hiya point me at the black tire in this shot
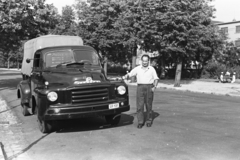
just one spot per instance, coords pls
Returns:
(33, 107)
(25, 111)
(113, 119)
(44, 125)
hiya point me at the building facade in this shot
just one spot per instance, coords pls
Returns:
(232, 30)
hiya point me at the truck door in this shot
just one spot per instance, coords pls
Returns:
(36, 75)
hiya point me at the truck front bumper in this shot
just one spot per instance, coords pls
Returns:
(68, 111)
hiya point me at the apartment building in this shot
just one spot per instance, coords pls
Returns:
(232, 30)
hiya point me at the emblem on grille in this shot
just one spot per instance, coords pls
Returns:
(88, 79)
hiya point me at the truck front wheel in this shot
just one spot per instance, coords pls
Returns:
(43, 125)
(113, 119)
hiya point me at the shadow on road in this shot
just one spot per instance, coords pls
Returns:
(96, 123)
(91, 124)
(155, 115)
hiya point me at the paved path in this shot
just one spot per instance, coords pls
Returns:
(11, 138)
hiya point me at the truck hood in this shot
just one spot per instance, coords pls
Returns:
(66, 77)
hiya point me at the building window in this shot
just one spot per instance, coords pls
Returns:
(224, 30)
(237, 29)
(237, 43)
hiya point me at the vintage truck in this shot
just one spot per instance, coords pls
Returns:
(64, 79)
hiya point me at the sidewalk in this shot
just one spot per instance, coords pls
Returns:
(208, 86)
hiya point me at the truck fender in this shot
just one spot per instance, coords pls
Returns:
(24, 91)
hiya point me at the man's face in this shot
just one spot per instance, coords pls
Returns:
(145, 61)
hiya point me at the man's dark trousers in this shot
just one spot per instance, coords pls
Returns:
(144, 96)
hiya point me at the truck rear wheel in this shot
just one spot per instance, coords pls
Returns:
(113, 119)
(25, 111)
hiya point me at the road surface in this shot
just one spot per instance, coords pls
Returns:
(187, 126)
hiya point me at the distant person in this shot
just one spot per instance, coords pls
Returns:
(227, 73)
(227, 77)
(147, 81)
(221, 77)
(233, 77)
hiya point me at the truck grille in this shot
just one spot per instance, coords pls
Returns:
(89, 95)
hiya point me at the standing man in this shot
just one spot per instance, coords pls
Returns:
(147, 81)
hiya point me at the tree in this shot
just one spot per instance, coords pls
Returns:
(97, 27)
(187, 31)
(129, 26)
(21, 20)
(66, 22)
(180, 30)
(230, 56)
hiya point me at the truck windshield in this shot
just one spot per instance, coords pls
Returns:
(54, 58)
(88, 56)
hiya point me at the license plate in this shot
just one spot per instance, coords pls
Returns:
(114, 105)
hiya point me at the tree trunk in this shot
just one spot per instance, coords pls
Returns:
(8, 60)
(133, 61)
(105, 65)
(134, 55)
(163, 68)
(17, 64)
(178, 74)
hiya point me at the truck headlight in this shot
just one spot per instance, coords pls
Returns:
(121, 90)
(52, 96)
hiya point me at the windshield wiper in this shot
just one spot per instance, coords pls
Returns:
(85, 62)
(64, 63)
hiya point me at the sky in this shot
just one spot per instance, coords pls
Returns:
(60, 3)
(226, 10)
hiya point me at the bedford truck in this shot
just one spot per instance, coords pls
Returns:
(64, 79)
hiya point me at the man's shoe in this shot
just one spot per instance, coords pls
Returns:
(140, 126)
(149, 124)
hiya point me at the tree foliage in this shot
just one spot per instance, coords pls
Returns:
(180, 30)
(21, 20)
(230, 56)
(66, 24)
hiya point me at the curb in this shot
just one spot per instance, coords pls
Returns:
(3, 155)
(188, 90)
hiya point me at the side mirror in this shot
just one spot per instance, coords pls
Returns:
(28, 60)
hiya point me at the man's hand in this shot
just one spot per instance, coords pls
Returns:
(125, 77)
(153, 89)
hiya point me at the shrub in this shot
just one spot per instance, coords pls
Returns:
(213, 70)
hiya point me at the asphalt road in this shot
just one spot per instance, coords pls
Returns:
(187, 126)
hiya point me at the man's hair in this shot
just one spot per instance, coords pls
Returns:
(145, 55)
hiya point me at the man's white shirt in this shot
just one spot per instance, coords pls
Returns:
(145, 75)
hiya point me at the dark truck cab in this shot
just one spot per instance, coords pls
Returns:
(68, 82)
